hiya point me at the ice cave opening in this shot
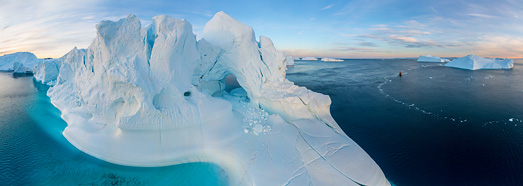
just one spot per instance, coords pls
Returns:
(231, 83)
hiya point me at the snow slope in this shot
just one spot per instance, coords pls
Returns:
(472, 62)
(20, 62)
(154, 96)
(429, 58)
(326, 59)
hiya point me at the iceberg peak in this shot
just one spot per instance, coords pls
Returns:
(154, 96)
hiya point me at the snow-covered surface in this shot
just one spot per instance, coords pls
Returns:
(290, 61)
(326, 59)
(20, 62)
(155, 96)
(472, 62)
(309, 59)
(432, 59)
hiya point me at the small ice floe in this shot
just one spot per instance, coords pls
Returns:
(511, 119)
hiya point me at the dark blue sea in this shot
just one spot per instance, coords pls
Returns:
(432, 126)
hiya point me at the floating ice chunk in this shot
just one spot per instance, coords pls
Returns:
(429, 58)
(20, 62)
(47, 71)
(326, 59)
(472, 62)
(309, 58)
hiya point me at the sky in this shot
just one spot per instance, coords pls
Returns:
(320, 28)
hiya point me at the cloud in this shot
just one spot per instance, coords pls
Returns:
(368, 44)
(499, 46)
(46, 28)
(354, 49)
(482, 16)
(327, 7)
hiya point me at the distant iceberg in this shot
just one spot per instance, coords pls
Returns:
(20, 62)
(431, 59)
(472, 62)
(296, 58)
(326, 59)
(290, 61)
(309, 59)
(155, 96)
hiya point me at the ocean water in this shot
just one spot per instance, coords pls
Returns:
(432, 126)
(34, 152)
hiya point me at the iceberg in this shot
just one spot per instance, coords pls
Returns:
(290, 61)
(472, 62)
(47, 71)
(296, 58)
(431, 59)
(155, 96)
(309, 59)
(326, 59)
(20, 62)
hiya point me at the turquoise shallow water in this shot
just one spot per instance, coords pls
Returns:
(34, 152)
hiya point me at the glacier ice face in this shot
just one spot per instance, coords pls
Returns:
(20, 62)
(326, 59)
(432, 59)
(472, 62)
(154, 96)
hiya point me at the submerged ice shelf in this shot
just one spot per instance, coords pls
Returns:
(155, 96)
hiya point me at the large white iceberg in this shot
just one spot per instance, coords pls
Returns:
(309, 59)
(431, 59)
(155, 96)
(472, 62)
(20, 62)
(326, 59)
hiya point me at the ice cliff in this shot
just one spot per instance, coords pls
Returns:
(20, 62)
(429, 58)
(155, 96)
(472, 62)
(326, 59)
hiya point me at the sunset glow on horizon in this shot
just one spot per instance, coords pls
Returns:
(341, 29)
